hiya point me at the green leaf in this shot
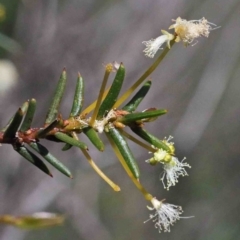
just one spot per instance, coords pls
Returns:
(53, 110)
(29, 116)
(13, 126)
(65, 138)
(32, 158)
(150, 138)
(43, 132)
(68, 146)
(94, 138)
(113, 93)
(24, 108)
(78, 97)
(51, 159)
(125, 151)
(132, 105)
(133, 117)
(53, 138)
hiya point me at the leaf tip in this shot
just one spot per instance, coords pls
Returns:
(117, 189)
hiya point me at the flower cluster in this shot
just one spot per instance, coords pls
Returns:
(185, 31)
(173, 168)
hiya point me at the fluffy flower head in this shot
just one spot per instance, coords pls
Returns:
(161, 155)
(153, 45)
(172, 167)
(185, 31)
(158, 156)
(172, 170)
(189, 31)
(165, 214)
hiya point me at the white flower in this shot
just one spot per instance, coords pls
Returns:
(165, 216)
(189, 31)
(172, 170)
(153, 45)
(172, 167)
(185, 31)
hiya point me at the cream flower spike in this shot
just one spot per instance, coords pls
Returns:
(165, 215)
(153, 45)
(189, 31)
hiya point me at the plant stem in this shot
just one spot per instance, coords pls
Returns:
(148, 147)
(143, 77)
(93, 105)
(101, 92)
(100, 173)
(147, 195)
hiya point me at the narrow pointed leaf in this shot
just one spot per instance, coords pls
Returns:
(151, 119)
(32, 158)
(125, 151)
(14, 125)
(51, 159)
(29, 116)
(78, 97)
(52, 138)
(144, 76)
(68, 146)
(53, 110)
(133, 117)
(94, 138)
(6, 127)
(132, 105)
(113, 93)
(150, 138)
(65, 138)
(24, 108)
(43, 132)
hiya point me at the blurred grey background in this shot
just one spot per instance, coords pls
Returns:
(198, 85)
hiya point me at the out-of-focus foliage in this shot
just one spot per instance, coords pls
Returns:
(8, 15)
(199, 86)
(34, 221)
